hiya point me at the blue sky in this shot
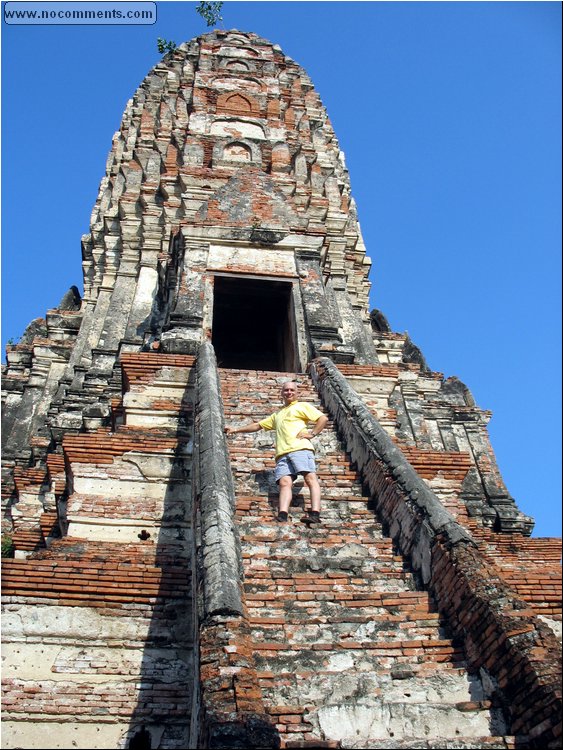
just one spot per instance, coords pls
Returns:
(450, 118)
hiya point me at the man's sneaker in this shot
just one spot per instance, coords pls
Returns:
(312, 517)
(282, 516)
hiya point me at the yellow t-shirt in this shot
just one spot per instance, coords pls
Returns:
(288, 423)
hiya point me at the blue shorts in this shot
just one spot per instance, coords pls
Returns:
(294, 463)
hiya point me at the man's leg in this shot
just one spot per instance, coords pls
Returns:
(285, 484)
(312, 482)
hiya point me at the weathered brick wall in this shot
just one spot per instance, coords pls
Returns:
(98, 634)
(95, 644)
(501, 633)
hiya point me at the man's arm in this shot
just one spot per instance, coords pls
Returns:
(253, 427)
(320, 424)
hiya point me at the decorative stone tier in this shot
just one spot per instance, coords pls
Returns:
(88, 581)
(98, 637)
(438, 427)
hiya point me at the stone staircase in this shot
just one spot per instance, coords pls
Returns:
(349, 651)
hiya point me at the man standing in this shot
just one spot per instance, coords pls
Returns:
(294, 450)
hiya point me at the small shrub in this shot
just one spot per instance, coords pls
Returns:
(7, 545)
(210, 12)
(164, 45)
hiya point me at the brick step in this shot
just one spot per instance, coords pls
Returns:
(377, 632)
(58, 576)
(241, 448)
(532, 566)
(384, 370)
(337, 477)
(56, 468)
(329, 477)
(350, 619)
(135, 585)
(332, 571)
(64, 567)
(49, 522)
(104, 443)
(349, 513)
(174, 406)
(336, 609)
(308, 665)
(25, 478)
(351, 519)
(144, 366)
(141, 508)
(397, 646)
(363, 710)
(28, 540)
(336, 531)
(105, 453)
(256, 394)
(361, 585)
(260, 547)
(373, 618)
(455, 743)
(338, 501)
(340, 591)
(265, 382)
(330, 539)
(240, 409)
(395, 723)
(266, 396)
(394, 674)
(374, 584)
(169, 556)
(64, 700)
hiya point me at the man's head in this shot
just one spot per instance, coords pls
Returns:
(289, 392)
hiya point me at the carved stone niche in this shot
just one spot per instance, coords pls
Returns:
(281, 158)
(236, 153)
(237, 103)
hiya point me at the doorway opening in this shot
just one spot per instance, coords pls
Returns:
(253, 324)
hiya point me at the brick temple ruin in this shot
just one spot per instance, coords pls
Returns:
(152, 600)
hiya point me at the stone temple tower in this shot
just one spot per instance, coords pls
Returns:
(151, 600)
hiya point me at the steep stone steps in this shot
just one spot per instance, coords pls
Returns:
(348, 652)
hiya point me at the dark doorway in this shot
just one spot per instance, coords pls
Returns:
(141, 740)
(253, 324)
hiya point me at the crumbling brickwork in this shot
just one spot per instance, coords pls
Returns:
(152, 600)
